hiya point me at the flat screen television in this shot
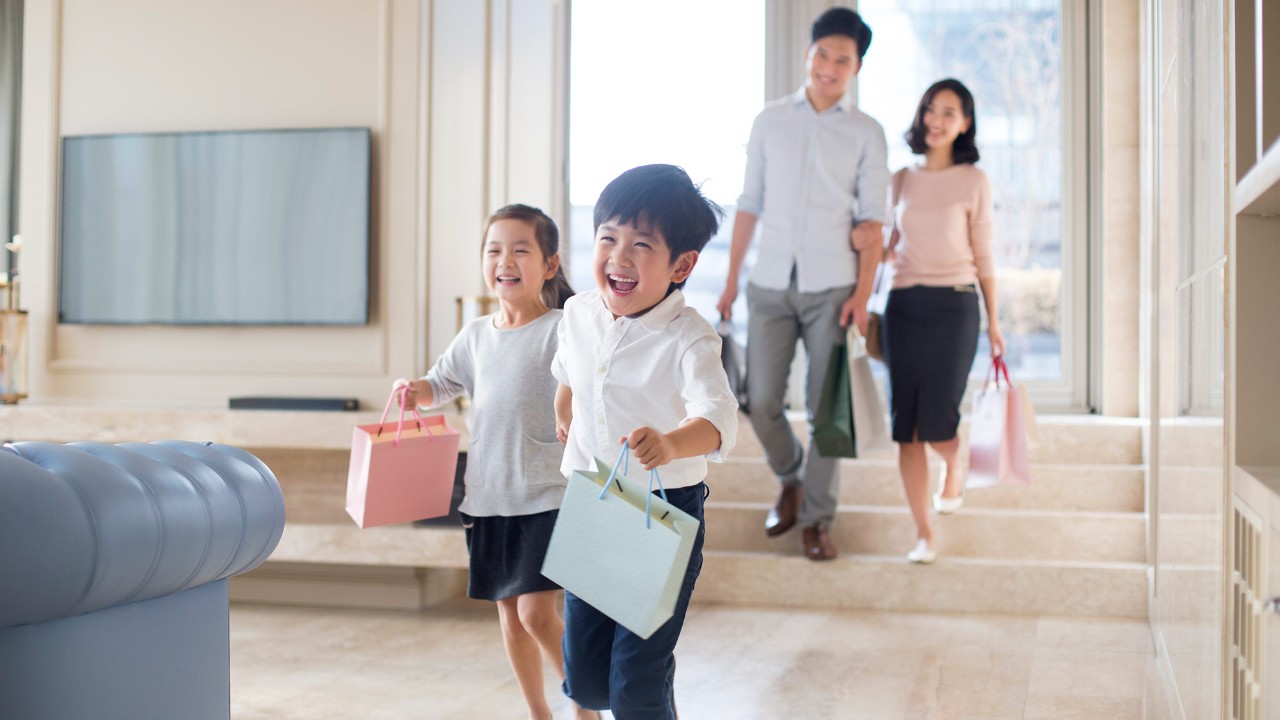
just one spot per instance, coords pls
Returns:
(264, 227)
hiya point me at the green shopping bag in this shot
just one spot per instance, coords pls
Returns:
(619, 548)
(833, 422)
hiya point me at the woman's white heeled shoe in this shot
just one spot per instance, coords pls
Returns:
(946, 505)
(922, 554)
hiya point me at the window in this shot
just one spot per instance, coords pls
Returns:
(1011, 55)
(651, 83)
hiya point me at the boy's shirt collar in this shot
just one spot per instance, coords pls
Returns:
(658, 317)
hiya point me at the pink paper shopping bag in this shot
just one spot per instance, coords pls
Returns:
(998, 433)
(401, 471)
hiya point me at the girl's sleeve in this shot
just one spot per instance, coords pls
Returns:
(559, 364)
(453, 374)
(706, 392)
(980, 231)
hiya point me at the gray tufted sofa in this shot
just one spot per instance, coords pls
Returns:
(114, 562)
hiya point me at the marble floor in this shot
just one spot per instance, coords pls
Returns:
(734, 662)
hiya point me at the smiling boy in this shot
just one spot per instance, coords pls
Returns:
(636, 364)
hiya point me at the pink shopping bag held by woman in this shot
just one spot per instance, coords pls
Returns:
(998, 432)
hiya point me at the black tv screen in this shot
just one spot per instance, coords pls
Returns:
(265, 227)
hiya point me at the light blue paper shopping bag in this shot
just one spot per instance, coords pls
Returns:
(619, 548)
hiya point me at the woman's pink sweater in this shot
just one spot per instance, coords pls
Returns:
(944, 226)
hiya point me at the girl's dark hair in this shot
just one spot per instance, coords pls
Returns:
(965, 148)
(556, 290)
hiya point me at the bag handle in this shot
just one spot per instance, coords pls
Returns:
(401, 393)
(998, 368)
(624, 461)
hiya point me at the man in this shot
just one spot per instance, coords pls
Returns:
(816, 176)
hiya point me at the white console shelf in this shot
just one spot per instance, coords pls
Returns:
(242, 428)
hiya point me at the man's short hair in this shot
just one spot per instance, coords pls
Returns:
(843, 21)
(663, 199)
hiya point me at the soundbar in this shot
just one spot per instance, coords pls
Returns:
(294, 403)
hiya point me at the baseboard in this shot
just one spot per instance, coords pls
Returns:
(348, 586)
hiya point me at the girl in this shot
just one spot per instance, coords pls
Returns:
(941, 247)
(513, 481)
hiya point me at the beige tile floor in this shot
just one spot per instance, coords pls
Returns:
(448, 662)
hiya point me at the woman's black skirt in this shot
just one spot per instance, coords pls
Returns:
(507, 553)
(930, 337)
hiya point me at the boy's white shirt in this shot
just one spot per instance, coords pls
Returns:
(660, 370)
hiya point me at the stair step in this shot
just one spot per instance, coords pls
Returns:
(1060, 439)
(971, 533)
(951, 585)
(1104, 488)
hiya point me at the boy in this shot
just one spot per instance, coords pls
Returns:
(636, 365)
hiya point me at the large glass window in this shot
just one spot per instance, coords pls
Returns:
(663, 81)
(1010, 55)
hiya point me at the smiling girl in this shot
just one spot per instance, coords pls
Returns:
(513, 481)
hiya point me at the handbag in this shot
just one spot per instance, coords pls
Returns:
(998, 432)
(735, 363)
(833, 420)
(870, 411)
(402, 476)
(619, 548)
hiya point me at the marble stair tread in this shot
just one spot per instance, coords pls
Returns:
(395, 545)
(877, 482)
(997, 534)
(952, 584)
(1060, 439)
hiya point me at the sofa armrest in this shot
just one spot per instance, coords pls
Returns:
(91, 525)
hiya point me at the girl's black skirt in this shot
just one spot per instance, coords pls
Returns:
(930, 337)
(507, 553)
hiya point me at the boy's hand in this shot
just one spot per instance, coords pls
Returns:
(651, 447)
(564, 412)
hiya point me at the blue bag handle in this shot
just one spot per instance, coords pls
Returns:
(624, 461)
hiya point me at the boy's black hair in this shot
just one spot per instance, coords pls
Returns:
(842, 21)
(664, 200)
(965, 148)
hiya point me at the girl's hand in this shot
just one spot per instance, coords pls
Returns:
(651, 447)
(997, 341)
(414, 389)
(562, 431)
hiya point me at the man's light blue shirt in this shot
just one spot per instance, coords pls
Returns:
(810, 178)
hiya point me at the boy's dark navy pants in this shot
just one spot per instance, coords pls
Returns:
(607, 667)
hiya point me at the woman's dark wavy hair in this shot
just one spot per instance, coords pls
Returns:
(556, 290)
(965, 148)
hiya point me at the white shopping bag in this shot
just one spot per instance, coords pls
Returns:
(870, 411)
(620, 548)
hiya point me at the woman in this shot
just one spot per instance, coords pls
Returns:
(941, 249)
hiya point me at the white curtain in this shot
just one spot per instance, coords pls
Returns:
(10, 111)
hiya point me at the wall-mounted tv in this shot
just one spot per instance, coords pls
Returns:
(264, 227)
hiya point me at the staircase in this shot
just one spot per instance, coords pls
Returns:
(1072, 543)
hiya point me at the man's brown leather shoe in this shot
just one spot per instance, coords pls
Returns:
(817, 543)
(783, 514)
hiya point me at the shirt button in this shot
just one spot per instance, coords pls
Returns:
(603, 368)
(600, 420)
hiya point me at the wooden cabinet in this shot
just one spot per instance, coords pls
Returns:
(1253, 310)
